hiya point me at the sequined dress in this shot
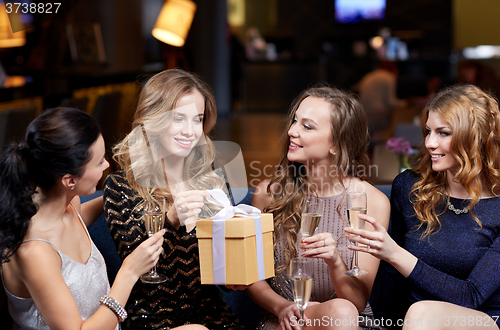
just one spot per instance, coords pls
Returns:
(459, 263)
(182, 299)
(322, 289)
(87, 282)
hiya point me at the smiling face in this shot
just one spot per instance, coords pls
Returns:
(186, 128)
(438, 143)
(87, 183)
(310, 133)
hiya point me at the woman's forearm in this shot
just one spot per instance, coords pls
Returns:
(104, 317)
(348, 287)
(403, 261)
(265, 297)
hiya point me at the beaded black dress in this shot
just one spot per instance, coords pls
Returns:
(181, 299)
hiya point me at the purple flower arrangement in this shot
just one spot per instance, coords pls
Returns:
(401, 147)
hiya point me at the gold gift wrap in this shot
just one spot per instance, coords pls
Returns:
(240, 247)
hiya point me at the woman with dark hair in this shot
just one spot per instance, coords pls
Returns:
(168, 156)
(445, 247)
(53, 274)
(324, 155)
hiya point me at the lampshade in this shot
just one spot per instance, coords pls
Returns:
(7, 37)
(174, 21)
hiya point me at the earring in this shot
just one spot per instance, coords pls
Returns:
(72, 188)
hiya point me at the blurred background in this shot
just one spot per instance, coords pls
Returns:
(257, 55)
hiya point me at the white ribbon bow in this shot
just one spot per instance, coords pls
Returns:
(218, 197)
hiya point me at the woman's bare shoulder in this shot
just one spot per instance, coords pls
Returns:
(33, 256)
(37, 250)
(370, 190)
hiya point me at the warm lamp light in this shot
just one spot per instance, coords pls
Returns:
(174, 21)
(376, 42)
(7, 37)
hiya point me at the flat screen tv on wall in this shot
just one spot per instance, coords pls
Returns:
(357, 11)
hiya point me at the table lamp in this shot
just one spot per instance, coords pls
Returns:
(174, 21)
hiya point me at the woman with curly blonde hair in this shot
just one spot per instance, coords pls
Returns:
(168, 155)
(324, 155)
(446, 231)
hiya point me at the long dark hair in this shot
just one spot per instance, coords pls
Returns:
(57, 143)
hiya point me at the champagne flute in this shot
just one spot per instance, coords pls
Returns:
(311, 216)
(154, 219)
(356, 204)
(301, 273)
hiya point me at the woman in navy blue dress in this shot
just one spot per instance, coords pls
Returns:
(444, 253)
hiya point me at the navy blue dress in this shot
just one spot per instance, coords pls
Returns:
(459, 264)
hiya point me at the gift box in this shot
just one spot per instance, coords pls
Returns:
(243, 251)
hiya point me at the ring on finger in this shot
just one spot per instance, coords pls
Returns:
(183, 208)
(369, 246)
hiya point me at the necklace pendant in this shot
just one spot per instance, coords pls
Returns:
(457, 211)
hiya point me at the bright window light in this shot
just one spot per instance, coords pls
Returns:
(481, 52)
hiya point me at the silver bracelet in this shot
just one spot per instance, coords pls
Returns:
(115, 306)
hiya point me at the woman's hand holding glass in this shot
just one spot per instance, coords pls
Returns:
(288, 312)
(356, 205)
(301, 274)
(320, 246)
(314, 244)
(377, 243)
(154, 221)
(145, 256)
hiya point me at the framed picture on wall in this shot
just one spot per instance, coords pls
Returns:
(85, 43)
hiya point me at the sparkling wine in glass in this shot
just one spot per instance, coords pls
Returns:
(154, 220)
(301, 274)
(311, 216)
(356, 204)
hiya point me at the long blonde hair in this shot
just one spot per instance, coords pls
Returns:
(474, 119)
(349, 131)
(137, 151)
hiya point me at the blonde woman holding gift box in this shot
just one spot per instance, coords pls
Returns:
(324, 155)
(168, 155)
